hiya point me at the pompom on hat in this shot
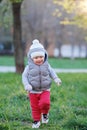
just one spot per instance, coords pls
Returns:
(36, 49)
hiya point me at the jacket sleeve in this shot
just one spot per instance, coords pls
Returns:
(25, 81)
(53, 75)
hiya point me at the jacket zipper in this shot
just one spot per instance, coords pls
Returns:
(40, 76)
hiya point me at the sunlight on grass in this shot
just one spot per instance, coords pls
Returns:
(68, 104)
(55, 62)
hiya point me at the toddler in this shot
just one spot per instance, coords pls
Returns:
(36, 79)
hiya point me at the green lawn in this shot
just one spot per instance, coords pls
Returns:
(68, 103)
(56, 63)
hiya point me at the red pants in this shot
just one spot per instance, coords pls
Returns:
(40, 103)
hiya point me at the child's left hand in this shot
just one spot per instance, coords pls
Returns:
(59, 82)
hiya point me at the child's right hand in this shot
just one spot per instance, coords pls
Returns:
(28, 88)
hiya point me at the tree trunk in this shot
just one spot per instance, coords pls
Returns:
(86, 51)
(72, 51)
(17, 40)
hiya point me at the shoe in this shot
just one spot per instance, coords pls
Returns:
(36, 124)
(45, 118)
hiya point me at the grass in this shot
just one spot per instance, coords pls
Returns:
(56, 63)
(68, 63)
(7, 61)
(68, 103)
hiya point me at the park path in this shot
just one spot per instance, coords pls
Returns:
(5, 69)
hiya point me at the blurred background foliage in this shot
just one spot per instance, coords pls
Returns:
(61, 26)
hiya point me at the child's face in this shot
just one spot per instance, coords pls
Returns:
(38, 60)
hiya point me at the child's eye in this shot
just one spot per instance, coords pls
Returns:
(41, 56)
(36, 57)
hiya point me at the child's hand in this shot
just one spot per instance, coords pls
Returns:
(28, 88)
(59, 82)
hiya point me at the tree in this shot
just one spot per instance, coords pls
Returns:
(78, 9)
(18, 46)
(17, 39)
